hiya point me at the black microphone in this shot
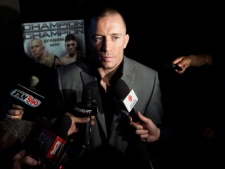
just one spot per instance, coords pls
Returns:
(27, 97)
(173, 66)
(87, 107)
(127, 99)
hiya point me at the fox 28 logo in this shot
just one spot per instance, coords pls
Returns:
(25, 97)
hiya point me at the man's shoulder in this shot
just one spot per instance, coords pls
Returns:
(64, 57)
(137, 64)
(70, 68)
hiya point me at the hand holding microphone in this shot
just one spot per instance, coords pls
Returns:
(78, 120)
(49, 145)
(15, 112)
(144, 126)
(147, 130)
(42, 145)
(24, 98)
(87, 108)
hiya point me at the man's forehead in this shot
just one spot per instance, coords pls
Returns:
(113, 22)
(35, 41)
(110, 18)
(70, 41)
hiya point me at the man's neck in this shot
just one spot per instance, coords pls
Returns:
(40, 57)
(71, 55)
(106, 74)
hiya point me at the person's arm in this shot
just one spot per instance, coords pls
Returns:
(192, 60)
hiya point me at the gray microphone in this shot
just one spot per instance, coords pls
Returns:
(33, 81)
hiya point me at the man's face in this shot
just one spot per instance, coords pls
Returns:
(37, 49)
(71, 46)
(109, 41)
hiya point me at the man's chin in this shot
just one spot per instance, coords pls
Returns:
(106, 65)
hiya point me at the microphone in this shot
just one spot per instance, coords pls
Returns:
(127, 99)
(27, 97)
(14, 132)
(49, 145)
(33, 81)
(87, 107)
(173, 66)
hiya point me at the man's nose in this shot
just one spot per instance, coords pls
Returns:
(106, 45)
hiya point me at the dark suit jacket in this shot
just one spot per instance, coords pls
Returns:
(142, 79)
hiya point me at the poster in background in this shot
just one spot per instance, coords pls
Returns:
(53, 35)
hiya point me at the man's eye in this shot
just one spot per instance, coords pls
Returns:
(115, 37)
(98, 38)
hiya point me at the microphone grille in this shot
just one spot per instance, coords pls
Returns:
(33, 81)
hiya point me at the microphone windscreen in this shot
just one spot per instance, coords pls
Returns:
(61, 126)
(121, 89)
(14, 131)
(33, 81)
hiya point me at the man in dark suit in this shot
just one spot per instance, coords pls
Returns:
(112, 140)
(108, 64)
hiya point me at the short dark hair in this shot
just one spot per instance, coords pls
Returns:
(70, 37)
(105, 11)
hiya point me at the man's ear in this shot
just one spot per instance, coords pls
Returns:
(127, 37)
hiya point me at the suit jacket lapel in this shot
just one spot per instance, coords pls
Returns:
(127, 71)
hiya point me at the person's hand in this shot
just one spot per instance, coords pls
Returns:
(192, 60)
(76, 120)
(21, 160)
(14, 112)
(146, 129)
(184, 62)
